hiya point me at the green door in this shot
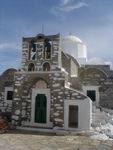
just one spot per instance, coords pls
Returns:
(40, 108)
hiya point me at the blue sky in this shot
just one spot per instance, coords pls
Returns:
(90, 20)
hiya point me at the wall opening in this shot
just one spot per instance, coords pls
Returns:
(31, 67)
(46, 66)
(92, 95)
(40, 108)
(32, 51)
(47, 49)
(9, 95)
(73, 116)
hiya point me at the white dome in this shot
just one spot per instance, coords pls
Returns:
(75, 47)
(96, 61)
(72, 38)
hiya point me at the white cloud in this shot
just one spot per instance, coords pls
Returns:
(54, 10)
(64, 2)
(66, 8)
(73, 7)
(8, 46)
(98, 41)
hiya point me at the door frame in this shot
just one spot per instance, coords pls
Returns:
(36, 91)
(84, 113)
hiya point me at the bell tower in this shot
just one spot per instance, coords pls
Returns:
(41, 53)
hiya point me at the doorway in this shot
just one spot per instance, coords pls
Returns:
(73, 116)
(40, 108)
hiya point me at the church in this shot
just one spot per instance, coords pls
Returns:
(56, 85)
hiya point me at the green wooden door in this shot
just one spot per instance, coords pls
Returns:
(40, 108)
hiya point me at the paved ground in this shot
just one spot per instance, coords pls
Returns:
(24, 140)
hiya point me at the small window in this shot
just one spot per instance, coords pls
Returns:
(92, 95)
(47, 50)
(46, 66)
(31, 67)
(9, 95)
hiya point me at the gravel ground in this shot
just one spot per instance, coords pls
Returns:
(27, 140)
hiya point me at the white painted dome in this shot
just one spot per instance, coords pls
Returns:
(96, 61)
(72, 38)
(75, 47)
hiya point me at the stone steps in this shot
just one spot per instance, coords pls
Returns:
(98, 116)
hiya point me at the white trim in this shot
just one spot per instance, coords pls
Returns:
(95, 88)
(74, 90)
(6, 90)
(36, 91)
(84, 114)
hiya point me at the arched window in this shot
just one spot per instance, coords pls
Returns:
(31, 67)
(47, 50)
(46, 66)
(32, 53)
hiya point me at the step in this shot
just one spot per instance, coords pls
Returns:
(96, 111)
(98, 116)
(104, 116)
(35, 129)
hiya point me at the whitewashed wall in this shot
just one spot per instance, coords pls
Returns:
(84, 113)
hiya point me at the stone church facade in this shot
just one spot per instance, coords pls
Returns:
(52, 89)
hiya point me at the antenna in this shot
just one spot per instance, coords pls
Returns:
(42, 28)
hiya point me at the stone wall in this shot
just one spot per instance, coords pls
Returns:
(39, 60)
(98, 76)
(24, 82)
(6, 80)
